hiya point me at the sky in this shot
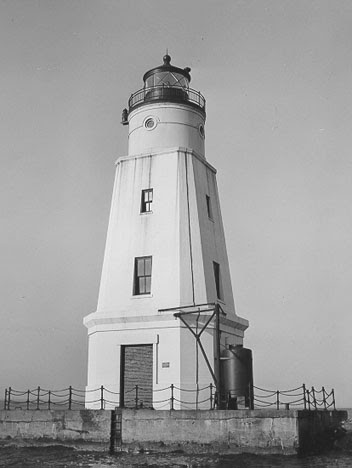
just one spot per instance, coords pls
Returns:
(277, 79)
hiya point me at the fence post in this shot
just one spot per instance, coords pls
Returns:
(28, 398)
(8, 398)
(211, 395)
(304, 396)
(308, 399)
(38, 398)
(70, 397)
(172, 397)
(5, 399)
(277, 399)
(102, 397)
(49, 399)
(324, 399)
(333, 398)
(314, 398)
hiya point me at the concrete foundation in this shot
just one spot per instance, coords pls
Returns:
(84, 427)
(249, 431)
(256, 431)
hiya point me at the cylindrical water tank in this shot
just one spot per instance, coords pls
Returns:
(237, 373)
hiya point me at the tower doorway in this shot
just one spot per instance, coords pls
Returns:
(136, 387)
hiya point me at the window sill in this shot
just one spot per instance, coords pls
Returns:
(141, 296)
(143, 213)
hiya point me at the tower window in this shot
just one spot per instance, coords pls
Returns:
(209, 209)
(146, 201)
(218, 284)
(142, 275)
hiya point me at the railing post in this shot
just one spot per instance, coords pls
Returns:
(5, 399)
(136, 398)
(172, 397)
(38, 398)
(324, 399)
(8, 398)
(49, 400)
(333, 398)
(277, 399)
(314, 398)
(211, 396)
(28, 398)
(102, 397)
(70, 397)
(308, 399)
(304, 396)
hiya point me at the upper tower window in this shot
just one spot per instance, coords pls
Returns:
(146, 200)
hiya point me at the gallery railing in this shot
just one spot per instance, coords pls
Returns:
(166, 398)
(167, 93)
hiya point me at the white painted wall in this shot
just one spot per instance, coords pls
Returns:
(105, 343)
(183, 243)
(132, 234)
(177, 126)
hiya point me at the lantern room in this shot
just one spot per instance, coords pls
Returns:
(165, 83)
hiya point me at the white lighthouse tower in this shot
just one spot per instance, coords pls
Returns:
(165, 309)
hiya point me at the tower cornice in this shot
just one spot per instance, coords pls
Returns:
(162, 152)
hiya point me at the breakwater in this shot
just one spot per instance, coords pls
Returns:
(223, 431)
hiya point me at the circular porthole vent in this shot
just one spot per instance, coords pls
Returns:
(201, 130)
(150, 123)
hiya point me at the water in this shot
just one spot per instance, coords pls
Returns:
(58, 456)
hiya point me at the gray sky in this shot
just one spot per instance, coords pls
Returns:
(277, 78)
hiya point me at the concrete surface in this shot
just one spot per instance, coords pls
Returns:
(226, 431)
(83, 426)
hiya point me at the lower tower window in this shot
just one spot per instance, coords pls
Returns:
(142, 275)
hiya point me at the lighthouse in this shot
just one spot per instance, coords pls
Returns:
(165, 312)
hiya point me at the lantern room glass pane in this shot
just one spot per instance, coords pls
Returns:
(167, 79)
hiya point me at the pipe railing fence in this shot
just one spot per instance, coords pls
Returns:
(300, 397)
(171, 397)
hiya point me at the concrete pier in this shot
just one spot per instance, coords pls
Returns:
(226, 431)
